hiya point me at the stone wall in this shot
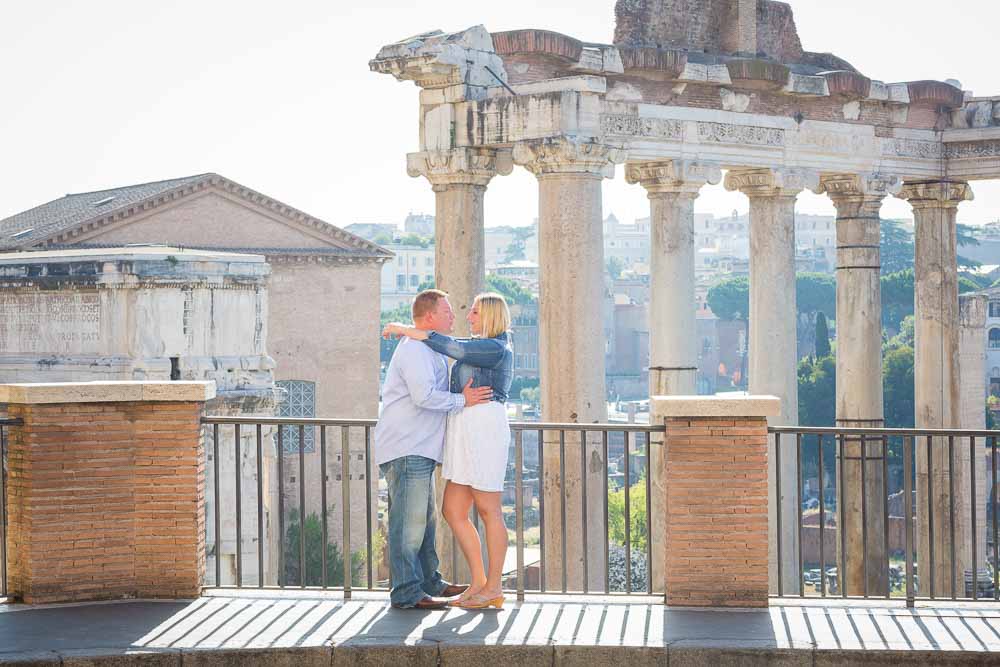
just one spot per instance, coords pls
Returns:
(713, 26)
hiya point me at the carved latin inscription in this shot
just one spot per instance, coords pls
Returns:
(973, 149)
(930, 150)
(624, 125)
(49, 322)
(724, 133)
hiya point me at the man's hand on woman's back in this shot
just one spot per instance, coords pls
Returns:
(476, 395)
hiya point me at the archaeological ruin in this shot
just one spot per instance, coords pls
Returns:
(688, 93)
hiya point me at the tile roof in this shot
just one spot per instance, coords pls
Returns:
(40, 225)
(36, 224)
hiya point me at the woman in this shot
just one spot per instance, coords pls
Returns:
(477, 439)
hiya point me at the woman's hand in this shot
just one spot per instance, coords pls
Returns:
(397, 329)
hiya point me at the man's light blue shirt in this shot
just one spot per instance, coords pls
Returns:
(415, 404)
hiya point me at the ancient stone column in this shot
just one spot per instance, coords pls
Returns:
(571, 348)
(459, 178)
(858, 199)
(673, 349)
(972, 309)
(773, 348)
(936, 379)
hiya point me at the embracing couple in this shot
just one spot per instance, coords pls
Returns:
(460, 423)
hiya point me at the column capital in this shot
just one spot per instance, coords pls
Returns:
(675, 176)
(459, 166)
(936, 194)
(859, 186)
(772, 182)
(569, 155)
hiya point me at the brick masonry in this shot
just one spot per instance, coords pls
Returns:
(716, 485)
(106, 501)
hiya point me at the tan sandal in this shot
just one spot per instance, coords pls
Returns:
(479, 601)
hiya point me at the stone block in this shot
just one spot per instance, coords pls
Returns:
(865, 658)
(30, 659)
(738, 656)
(119, 657)
(809, 86)
(634, 656)
(298, 656)
(377, 652)
(716, 406)
(476, 655)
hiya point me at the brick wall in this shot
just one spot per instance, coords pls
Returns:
(106, 500)
(716, 485)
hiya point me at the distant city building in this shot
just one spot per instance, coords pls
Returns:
(411, 267)
(504, 245)
(522, 272)
(373, 230)
(419, 224)
(993, 341)
(524, 333)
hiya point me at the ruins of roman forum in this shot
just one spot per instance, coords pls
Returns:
(687, 90)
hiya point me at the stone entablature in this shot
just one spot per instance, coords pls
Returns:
(663, 104)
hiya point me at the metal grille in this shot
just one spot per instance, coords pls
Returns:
(5, 425)
(299, 401)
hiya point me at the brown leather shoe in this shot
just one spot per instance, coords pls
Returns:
(427, 603)
(451, 590)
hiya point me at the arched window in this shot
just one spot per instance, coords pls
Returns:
(994, 339)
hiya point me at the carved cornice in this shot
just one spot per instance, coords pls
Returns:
(771, 182)
(936, 194)
(459, 166)
(569, 155)
(676, 176)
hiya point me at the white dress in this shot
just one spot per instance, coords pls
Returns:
(475, 447)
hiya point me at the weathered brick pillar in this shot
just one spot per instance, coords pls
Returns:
(716, 487)
(106, 493)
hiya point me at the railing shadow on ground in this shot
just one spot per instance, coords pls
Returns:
(261, 620)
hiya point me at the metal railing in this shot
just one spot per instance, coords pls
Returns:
(5, 425)
(302, 531)
(887, 501)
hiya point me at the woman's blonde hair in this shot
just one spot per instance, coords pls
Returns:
(494, 315)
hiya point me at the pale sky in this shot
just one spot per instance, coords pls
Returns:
(278, 95)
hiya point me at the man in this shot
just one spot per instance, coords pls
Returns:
(409, 440)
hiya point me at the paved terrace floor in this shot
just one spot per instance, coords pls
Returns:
(308, 628)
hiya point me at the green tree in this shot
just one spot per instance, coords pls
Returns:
(816, 293)
(314, 555)
(965, 235)
(897, 387)
(896, 247)
(991, 420)
(822, 336)
(897, 298)
(637, 516)
(817, 391)
(511, 290)
(966, 285)
(383, 239)
(530, 395)
(730, 299)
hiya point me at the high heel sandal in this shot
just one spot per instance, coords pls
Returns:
(479, 601)
(457, 602)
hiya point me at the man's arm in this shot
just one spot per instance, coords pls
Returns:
(417, 371)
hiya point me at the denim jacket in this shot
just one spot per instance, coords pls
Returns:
(488, 361)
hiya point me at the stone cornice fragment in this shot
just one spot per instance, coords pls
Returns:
(675, 176)
(569, 155)
(438, 60)
(542, 42)
(935, 93)
(849, 85)
(459, 166)
(936, 194)
(758, 74)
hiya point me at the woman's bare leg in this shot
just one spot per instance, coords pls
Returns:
(488, 505)
(456, 506)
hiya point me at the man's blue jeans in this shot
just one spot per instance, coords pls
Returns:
(413, 560)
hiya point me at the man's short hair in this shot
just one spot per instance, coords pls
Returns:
(426, 302)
